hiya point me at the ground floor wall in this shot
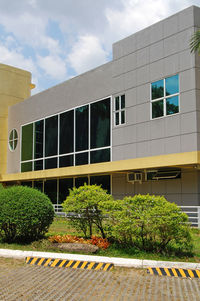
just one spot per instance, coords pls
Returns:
(184, 191)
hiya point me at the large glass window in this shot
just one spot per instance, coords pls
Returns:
(76, 137)
(38, 137)
(104, 181)
(165, 97)
(119, 110)
(27, 166)
(80, 181)
(39, 185)
(64, 186)
(51, 136)
(65, 161)
(98, 156)
(81, 159)
(100, 124)
(50, 188)
(27, 142)
(51, 163)
(67, 132)
(82, 126)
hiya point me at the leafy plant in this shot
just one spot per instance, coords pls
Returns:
(149, 223)
(98, 241)
(195, 42)
(25, 214)
(84, 205)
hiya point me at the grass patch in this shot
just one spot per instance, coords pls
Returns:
(61, 226)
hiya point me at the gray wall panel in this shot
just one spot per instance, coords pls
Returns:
(158, 51)
(181, 191)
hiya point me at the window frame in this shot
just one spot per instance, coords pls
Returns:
(164, 98)
(120, 110)
(74, 152)
(12, 141)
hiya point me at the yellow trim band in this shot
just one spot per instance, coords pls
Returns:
(171, 160)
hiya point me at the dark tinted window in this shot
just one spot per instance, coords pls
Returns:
(38, 165)
(104, 181)
(81, 181)
(26, 166)
(50, 188)
(38, 185)
(65, 161)
(27, 142)
(100, 124)
(157, 89)
(98, 156)
(51, 136)
(67, 132)
(51, 163)
(157, 109)
(172, 104)
(28, 183)
(81, 159)
(64, 186)
(39, 134)
(82, 128)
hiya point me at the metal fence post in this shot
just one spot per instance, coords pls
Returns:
(198, 209)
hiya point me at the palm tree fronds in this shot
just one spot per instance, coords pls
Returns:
(195, 42)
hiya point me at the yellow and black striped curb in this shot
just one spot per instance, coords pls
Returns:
(173, 272)
(64, 263)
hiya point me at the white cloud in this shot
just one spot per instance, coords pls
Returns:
(87, 53)
(53, 66)
(82, 38)
(16, 59)
(134, 16)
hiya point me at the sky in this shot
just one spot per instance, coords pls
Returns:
(57, 40)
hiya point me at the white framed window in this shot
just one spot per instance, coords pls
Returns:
(165, 97)
(13, 140)
(119, 110)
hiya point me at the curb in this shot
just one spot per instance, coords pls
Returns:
(174, 272)
(116, 261)
(74, 264)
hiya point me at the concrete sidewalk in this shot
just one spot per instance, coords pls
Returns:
(121, 262)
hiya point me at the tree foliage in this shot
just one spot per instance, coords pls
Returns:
(149, 223)
(84, 205)
(195, 42)
(25, 214)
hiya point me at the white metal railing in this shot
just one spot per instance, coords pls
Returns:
(58, 210)
(193, 213)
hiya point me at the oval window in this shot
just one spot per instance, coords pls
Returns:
(13, 140)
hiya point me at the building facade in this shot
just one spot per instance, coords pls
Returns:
(131, 125)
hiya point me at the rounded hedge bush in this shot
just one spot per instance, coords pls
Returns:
(150, 223)
(25, 214)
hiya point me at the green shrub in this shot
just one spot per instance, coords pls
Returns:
(1, 186)
(25, 214)
(150, 223)
(84, 205)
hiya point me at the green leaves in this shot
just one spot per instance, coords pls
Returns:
(195, 42)
(149, 223)
(86, 202)
(25, 214)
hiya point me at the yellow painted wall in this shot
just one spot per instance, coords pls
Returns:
(15, 86)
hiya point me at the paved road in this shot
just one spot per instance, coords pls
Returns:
(47, 283)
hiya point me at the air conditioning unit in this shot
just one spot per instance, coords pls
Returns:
(134, 177)
(167, 174)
